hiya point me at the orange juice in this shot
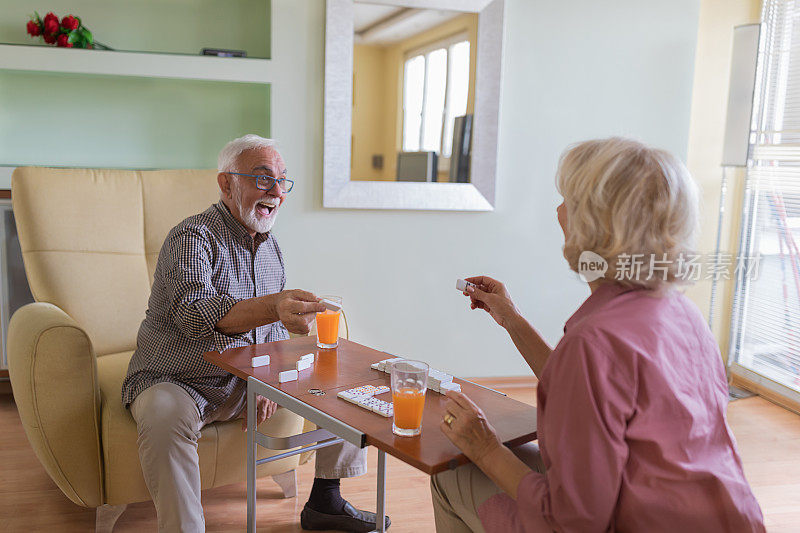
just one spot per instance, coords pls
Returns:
(408, 405)
(328, 327)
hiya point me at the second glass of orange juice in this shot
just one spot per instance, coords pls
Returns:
(409, 383)
(328, 325)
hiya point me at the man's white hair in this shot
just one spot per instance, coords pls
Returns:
(226, 161)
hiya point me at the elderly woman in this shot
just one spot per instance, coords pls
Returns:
(631, 402)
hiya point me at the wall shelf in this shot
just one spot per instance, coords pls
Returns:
(138, 64)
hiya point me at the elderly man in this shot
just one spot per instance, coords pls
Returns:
(219, 283)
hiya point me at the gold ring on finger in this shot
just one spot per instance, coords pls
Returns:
(448, 419)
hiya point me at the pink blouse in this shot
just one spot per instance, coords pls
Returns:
(632, 427)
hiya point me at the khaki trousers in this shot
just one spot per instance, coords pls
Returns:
(169, 425)
(458, 493)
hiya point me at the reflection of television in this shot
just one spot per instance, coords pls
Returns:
(462, 149)
(416, 166)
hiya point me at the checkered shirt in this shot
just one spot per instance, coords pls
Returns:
(207, 263)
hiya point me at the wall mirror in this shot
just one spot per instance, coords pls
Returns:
(412, 93)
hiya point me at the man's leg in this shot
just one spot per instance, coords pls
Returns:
(340, 460)
(457, 494)
(326, 509)
(169, 425)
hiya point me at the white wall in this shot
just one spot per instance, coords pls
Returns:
(574, 70)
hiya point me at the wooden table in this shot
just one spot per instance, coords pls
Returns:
(343, 368)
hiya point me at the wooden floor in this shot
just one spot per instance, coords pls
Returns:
(768, 437)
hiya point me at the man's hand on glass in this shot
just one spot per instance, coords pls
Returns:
(296, 309)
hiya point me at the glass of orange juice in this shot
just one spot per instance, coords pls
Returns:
(328, 325)
(409, 383)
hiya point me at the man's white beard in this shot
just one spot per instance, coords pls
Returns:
(259, 225)
(251, 219)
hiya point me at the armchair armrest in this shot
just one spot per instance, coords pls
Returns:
(54, 379)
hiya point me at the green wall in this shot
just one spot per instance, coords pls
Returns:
(178, 26)
(120, 121)
(134, 122)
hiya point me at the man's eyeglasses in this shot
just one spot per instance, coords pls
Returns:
(266, 182)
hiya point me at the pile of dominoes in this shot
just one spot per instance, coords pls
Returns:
(364, 396)
(438, 381)
(303, 363)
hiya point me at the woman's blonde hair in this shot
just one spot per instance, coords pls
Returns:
(634, 206)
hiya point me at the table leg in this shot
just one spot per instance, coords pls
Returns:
(380, 512)
(251, 459)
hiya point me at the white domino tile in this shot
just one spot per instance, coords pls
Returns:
(259, 360)
(450, 386)
(287, 375)
(385, 365)
(330, 305)
(346, 395)
(441, 376)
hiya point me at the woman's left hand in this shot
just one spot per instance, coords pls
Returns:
(468, 429)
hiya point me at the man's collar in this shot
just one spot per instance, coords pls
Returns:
(237, 228)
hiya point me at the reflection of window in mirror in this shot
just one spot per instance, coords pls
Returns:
(414, 87)
(435, 87)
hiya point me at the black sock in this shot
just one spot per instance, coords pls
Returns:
(325, 496)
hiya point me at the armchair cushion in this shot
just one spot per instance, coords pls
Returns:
(221, 448)
(90, 239)
(87, 254)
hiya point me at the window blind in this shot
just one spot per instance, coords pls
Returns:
(765, 332)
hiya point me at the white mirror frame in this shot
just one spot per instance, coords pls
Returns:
(478, 195)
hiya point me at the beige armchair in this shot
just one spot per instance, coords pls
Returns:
(90, 240)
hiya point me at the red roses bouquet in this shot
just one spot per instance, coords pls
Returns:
(68, 32)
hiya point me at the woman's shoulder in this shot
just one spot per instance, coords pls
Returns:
(637, 319)
(639, 326)
(635, 310)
